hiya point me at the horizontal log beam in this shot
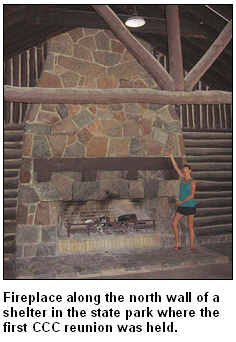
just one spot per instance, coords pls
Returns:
(108, 96)
(142, 55)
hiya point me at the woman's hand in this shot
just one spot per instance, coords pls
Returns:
(178, 203)
(180, 173)
(169, 154)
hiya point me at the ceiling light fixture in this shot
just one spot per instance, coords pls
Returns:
(135, 20)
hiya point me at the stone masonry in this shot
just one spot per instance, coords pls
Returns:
(89, 58)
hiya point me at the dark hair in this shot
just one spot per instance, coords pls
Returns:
(188, 166)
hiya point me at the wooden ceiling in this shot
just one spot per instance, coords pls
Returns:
(26, 26)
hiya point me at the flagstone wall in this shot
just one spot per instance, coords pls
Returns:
(89, 58)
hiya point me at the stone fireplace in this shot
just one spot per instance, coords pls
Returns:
(82, 162)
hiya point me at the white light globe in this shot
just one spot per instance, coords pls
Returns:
(135, 21)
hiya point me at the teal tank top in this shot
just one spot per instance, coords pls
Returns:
(185, 191)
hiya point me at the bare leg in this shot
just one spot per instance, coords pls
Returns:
(174, 224)
(191, 231)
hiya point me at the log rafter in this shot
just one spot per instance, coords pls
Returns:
(148, 61)
(209, 57)
(151, 65)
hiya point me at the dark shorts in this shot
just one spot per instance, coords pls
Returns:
(186, 211)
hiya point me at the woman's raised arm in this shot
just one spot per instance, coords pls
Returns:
(180, 173)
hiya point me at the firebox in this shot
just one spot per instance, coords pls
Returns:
(84, 218)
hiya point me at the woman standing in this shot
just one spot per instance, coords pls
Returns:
(186, 206)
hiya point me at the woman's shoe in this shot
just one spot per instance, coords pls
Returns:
(193, 250)
(176, 248)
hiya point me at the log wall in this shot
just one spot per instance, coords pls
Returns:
(209, 117)
(24, 71)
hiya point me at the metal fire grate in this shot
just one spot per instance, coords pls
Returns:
(124, 225)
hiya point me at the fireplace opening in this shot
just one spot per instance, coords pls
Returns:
(110, 217)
